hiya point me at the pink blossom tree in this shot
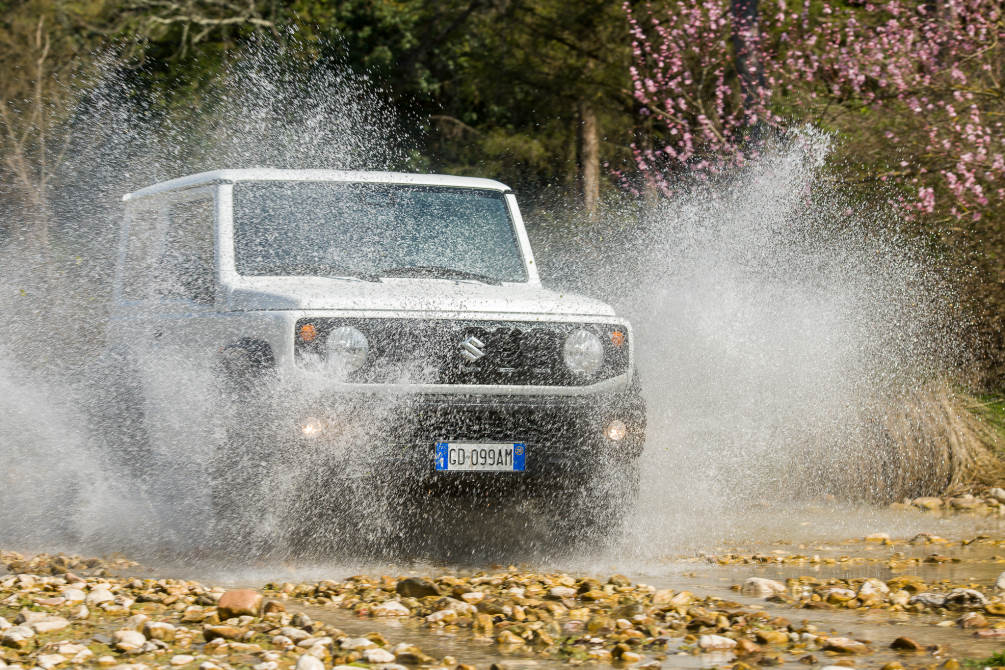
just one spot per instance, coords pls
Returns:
(931, 75)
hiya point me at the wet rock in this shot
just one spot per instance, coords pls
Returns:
(900, 597)
(356, 643)
(905, 644)
(483, 623)
(239, 602)
(844, 645)
(49, 661)
(128, 640)
(973, 620)
(98, 596)
(837, 595)
(442, 617)
(662, 597)
(181, 659)
(48, 624)
(966, 503)
(772, 637)
(136, 622)
(378, 656)
(1000, 582)
(314, 641)
(997, 609)
(272, 607)
(416, 587)
(294, 634)
(308, 662)
(745, 647)
(998, 494)
(873, 587)
(965, 598)
(760, 587)
(222, 632)
(715, 643)
(408, 654)
(928, 503)
(17, 637)
(282, 642)
(562, 592)
(73, 596)
(157, 630)
(619, 580)
(506, 637)
(390, 608)
(682, 599)
(877, 537)
(599, 624)
(928, 599)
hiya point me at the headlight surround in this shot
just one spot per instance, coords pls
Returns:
(346, 349)
(583, 352)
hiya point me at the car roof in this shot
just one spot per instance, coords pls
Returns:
(271, 174)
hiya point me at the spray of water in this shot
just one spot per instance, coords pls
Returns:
(778, 320)
(784, 324)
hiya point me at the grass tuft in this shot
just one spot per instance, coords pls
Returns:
(939, 441)
(995, 660)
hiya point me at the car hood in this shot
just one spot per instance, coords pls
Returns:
(406, 295)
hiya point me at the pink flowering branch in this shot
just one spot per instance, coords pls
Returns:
(937, 70)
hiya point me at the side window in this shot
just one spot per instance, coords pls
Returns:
(187, 259)
(139, 268)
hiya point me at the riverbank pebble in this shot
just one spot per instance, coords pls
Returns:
(520, 614)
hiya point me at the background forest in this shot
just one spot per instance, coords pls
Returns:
(574, 104)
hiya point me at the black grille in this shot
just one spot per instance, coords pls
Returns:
(535, 426)
(413, 351)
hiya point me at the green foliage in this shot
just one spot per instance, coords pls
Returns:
(996, 659)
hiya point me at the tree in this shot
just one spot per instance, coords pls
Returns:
(916, 90)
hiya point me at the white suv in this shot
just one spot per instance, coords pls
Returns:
(421, 289)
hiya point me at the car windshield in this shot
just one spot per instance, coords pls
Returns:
(368, 230)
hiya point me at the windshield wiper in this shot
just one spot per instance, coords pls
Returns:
(436, 271)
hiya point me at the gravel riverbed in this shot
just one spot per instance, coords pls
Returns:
(779, 608)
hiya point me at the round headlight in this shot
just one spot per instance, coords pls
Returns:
(583, 352)
(346, 349)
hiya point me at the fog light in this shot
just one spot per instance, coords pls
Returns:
(616, 431)
(311, 427)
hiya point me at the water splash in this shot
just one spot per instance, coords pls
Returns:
(777, 319)
(781, 320)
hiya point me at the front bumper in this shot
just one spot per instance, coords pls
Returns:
(564, 436)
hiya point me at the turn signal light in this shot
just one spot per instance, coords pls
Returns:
(618, 338)
(308, 333)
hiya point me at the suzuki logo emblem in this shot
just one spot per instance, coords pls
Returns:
(471, 348)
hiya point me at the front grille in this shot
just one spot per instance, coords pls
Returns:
(535, 426)
(414, 351)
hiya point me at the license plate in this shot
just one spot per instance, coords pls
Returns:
(484, 456)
